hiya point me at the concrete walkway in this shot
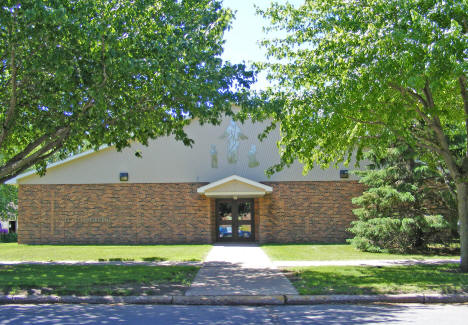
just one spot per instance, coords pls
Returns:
(260, 263)
(364, 262)
(239, 269)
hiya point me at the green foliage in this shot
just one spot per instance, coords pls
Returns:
(92, 73)
(9, 238)
(378, 235)
(352, 75)
(8, 202)
(398, 211)
(349, 75)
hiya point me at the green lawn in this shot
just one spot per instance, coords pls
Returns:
(93, 279)
(378, 280)
(15, 252)
(311, 252)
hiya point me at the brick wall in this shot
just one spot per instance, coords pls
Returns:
(307, 211)
(113, 213)
(176, 213)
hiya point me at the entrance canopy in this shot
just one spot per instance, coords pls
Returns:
(235, 187)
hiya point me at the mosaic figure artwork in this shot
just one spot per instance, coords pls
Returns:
(233, 135)
(253, 162)
(214, 156)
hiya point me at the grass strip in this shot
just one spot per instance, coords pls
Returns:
(315, 252)
(354, 280)
(16, 252)
(92, 279)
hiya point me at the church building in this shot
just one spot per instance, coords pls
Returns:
(214, 191)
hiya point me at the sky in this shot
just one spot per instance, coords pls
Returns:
(246, 31)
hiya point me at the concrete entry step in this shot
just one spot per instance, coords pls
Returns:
(239, 269)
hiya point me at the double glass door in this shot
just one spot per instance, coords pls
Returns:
(234, 220)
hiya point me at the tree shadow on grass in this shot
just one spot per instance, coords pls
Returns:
(379, 280)
(154, 259)
(121, 259)
(83, 279)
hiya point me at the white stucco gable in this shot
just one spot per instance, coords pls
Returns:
(219, 151)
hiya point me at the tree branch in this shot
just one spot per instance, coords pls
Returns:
(440, 141)
(12, 106)
(426, 118)
(29, 148)
(410, 92)
(427, 144)
(38, 149)
(446, 154)
(56, 141)
(419, 98)
(428, 94)
(22, 169)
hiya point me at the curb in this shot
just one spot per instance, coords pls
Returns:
(238, 300)
(357, 299)
(229, 300)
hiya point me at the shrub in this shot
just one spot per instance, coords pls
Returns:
(396, 212)
(11, 237)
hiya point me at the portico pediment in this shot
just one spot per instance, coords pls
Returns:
(235, 187)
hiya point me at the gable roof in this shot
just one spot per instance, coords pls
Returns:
(215, 154)
(14, 180)
(233, 187)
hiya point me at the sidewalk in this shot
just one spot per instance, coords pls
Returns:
(241, 274)
(217, 259)
(239, 269)
(364, 262)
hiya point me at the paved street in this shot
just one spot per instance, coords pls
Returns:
(229, 315)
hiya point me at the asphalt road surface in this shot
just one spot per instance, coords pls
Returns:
(160, 314)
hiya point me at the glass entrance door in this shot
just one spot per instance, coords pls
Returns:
(234, 220)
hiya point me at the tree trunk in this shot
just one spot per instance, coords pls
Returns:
(462, 198)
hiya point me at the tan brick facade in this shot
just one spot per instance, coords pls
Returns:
(307, 212)
(176, 213)
(113, 213)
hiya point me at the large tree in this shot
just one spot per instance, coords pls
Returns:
(88, 73)
(407, 206)
(351, 75)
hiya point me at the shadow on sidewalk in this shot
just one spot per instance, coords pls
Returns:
(225, 278)
(226, 315)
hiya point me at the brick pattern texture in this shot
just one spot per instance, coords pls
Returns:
(298, 212)
(175, 213)
(113, 213)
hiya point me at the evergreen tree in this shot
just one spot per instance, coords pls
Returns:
(352, 75)
(407, 205)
